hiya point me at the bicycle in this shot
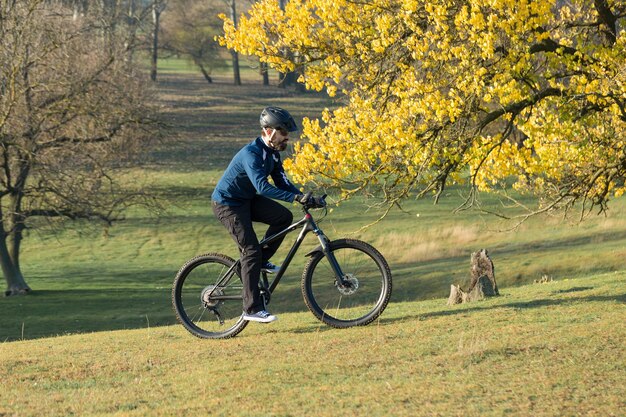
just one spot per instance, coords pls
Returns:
(345, 283)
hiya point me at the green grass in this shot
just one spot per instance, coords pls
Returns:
(545, 349)
(119, 278)
(97, 335)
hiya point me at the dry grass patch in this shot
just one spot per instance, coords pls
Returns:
(437, 243)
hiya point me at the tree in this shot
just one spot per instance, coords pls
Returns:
(232, 6)
(157, 8)
(189, 28)
(432, 93)
(71, 111)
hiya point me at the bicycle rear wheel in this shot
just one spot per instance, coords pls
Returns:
(362, 300)
(207, 305)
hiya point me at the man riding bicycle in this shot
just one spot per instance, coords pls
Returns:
(244, 195)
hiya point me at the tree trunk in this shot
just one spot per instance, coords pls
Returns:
(156, 15)
(236, 74)
(16, 285)
(204, 72)
(12, 220)
(283, 78)
(235, 55)
(132, 21)
(264, 73)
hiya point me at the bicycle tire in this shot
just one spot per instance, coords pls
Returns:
(195, 307)
(362, 265)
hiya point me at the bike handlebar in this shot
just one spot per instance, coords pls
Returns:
(310, 202)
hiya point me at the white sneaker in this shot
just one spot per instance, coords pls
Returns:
(270, 268)
(260, 316)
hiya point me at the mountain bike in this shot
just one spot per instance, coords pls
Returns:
(345, 283)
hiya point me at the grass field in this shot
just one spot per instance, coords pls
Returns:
(554, 349)
(98, 337)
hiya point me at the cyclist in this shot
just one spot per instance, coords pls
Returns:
(244, 195)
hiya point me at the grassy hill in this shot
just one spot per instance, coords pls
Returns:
(98, 336)
(545, 349)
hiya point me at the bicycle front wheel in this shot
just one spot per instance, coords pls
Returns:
(366, 294)
(206, 301)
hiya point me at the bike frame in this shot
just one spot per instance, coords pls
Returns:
(307, 223)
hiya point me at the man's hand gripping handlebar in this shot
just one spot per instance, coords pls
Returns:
(309, 201)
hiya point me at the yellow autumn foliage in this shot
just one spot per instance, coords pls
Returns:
(437, 92)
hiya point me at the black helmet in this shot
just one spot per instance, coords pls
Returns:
(277, 118)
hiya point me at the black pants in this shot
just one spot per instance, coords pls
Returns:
(238, 222)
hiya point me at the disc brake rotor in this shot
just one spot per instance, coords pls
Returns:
(350, 286)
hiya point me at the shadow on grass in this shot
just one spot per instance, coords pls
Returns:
(49, 313)
(539, 303)
(575, 289)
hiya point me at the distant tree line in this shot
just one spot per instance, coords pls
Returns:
(189, 28)
(182, 28)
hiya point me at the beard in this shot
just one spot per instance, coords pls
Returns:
(279, 146)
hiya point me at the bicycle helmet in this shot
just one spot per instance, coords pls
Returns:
(277, 118)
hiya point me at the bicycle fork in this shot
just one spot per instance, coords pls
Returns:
(325, 244)
(342, 282)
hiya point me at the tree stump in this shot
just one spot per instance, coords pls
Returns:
(482, 284)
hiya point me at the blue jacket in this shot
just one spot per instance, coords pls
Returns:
(247, 175)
